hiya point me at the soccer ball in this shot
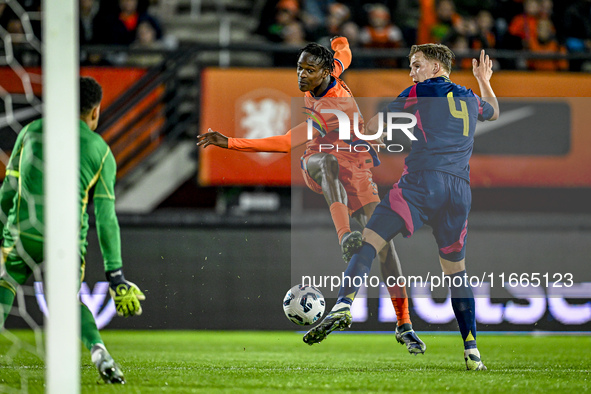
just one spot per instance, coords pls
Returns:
(303, 305)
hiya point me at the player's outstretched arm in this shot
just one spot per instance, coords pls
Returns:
(212, 138)
(482, 70)
(278, 143)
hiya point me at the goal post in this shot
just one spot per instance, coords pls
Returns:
(61, 160)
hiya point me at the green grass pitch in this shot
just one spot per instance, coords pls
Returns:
(245, 362)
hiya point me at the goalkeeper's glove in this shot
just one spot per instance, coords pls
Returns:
(125, 294)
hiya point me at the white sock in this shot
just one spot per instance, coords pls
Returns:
(340, 305)
(96, 352)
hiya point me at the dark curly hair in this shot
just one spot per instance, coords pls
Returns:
(91, 94)
(322, 54)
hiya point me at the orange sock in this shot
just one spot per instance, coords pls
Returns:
(400, 302)
(340, 217)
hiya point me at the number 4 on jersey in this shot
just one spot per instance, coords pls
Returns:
(462, 114)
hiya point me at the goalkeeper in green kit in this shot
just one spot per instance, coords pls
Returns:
(21, 221)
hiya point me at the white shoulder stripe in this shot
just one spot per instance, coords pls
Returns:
(341, 63)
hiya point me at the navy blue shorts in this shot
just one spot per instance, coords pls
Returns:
(436, 198)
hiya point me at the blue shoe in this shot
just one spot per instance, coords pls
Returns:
(350, 244)
(338, 320)
(405, 335)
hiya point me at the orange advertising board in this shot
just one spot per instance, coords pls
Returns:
(246, 103)
(114, 80)
(233, 101)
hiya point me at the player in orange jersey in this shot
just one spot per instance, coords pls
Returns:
(343, 175)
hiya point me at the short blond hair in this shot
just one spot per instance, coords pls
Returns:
(438, 52)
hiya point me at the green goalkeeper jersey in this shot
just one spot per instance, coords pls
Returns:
(22, 197)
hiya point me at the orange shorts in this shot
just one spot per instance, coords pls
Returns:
(355, 175)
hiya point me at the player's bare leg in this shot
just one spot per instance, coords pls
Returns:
(339, 318)
(324, 169)
(391, 270)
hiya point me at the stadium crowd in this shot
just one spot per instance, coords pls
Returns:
(126, 23)
(539, 26)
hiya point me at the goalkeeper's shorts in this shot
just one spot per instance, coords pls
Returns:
(20, 260)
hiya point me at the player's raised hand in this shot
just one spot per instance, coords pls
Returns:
(125, 294)
(212, 138)
(482, 69)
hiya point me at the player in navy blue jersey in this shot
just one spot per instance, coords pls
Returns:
(434, 188)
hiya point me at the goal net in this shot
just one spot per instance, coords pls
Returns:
(46, 342)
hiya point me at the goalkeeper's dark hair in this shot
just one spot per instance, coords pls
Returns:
(322, 54)
(91, 94)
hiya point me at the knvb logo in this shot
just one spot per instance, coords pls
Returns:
(262, 113)
(345, 124)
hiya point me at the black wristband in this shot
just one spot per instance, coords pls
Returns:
(115, 276)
